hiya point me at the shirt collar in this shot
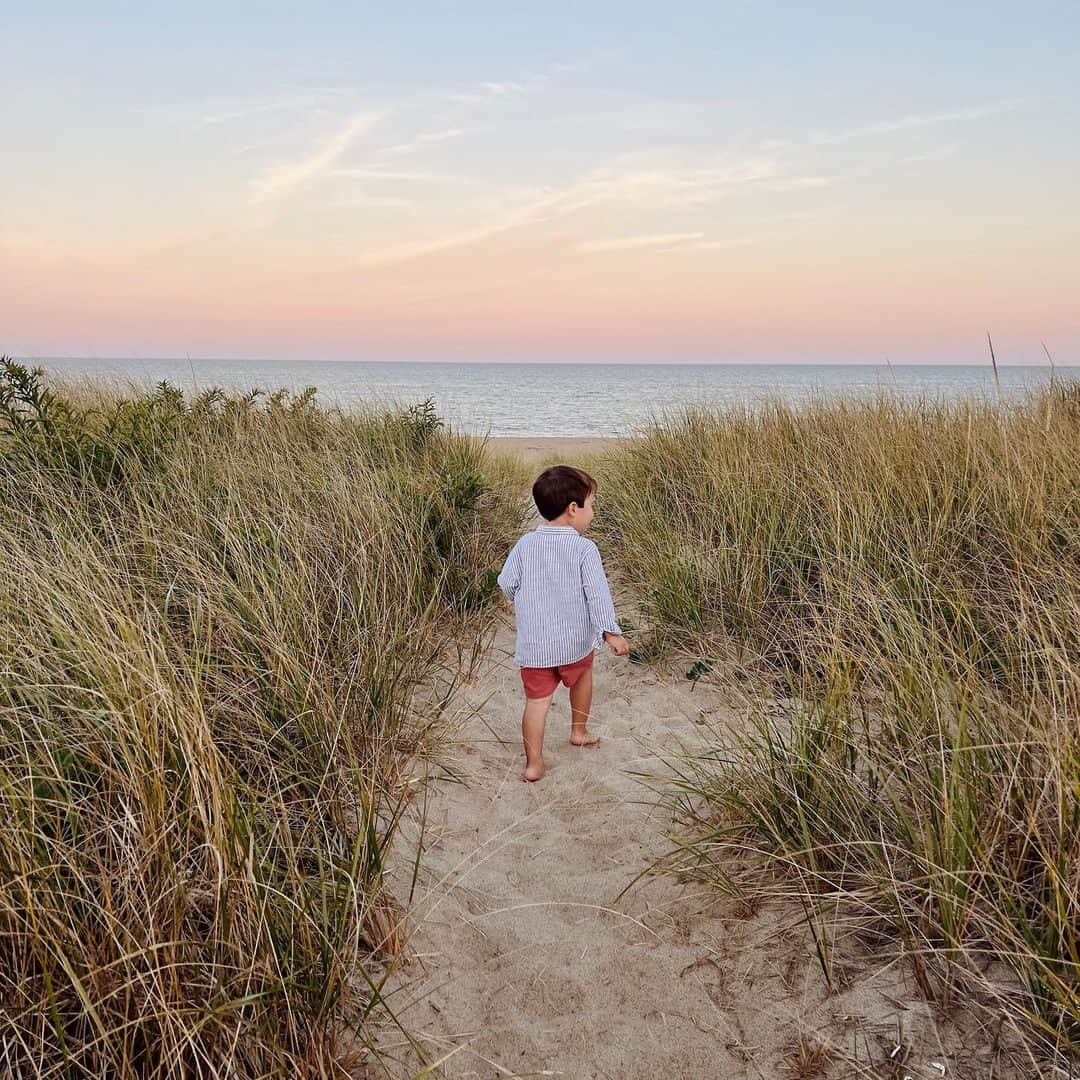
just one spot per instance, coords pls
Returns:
(555, 528)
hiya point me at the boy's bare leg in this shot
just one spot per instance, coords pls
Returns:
(532, 735)
(580, 704)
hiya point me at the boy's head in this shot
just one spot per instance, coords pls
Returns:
(565, 495)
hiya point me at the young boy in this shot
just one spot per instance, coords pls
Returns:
(556, 581)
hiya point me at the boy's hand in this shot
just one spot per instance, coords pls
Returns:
(617, 643)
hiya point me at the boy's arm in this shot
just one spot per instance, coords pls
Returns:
(510, 575)
(597, 593)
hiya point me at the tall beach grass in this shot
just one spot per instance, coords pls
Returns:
(225, 623)
(902, 582)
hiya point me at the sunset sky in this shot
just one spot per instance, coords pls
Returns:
(541, 181)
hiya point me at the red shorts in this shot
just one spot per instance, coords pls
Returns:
(540, 682)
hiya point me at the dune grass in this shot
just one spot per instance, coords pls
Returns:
(902, 582)
(225, 624)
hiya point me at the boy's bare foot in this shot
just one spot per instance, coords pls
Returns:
(533, 773)
(585, 738)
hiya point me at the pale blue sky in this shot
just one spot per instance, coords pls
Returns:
(401, 179)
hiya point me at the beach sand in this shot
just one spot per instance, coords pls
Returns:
(551, 450)
(526, 958)
(539, 944)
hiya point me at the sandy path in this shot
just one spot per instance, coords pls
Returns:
(523, 961)
(532, 966)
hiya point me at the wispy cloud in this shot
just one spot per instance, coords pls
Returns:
(656, 189)
(381, 172)
(719, 245)
(801, 183)
(486, 92)
(368, 201)
(298, 102)
(679, 185)
(494, 89)
(284, 178)
(918, 120)
(530, 213)
(645, 188)
(500, 89)
(631, 243)
(418, 142)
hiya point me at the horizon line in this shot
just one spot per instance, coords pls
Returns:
(26, 358)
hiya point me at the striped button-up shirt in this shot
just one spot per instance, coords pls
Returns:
(561, 598)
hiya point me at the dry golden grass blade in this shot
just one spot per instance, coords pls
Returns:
(224, 626)
(900, 584)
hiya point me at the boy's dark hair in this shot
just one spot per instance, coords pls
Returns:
(556, 488)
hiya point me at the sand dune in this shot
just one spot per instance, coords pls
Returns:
(523, 959)
(537, 948)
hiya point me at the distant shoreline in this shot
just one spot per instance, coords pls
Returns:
(535, 448)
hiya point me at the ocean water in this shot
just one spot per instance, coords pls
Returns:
(565, 399)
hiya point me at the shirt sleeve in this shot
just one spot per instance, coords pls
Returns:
(597, 593)
(510, 575)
